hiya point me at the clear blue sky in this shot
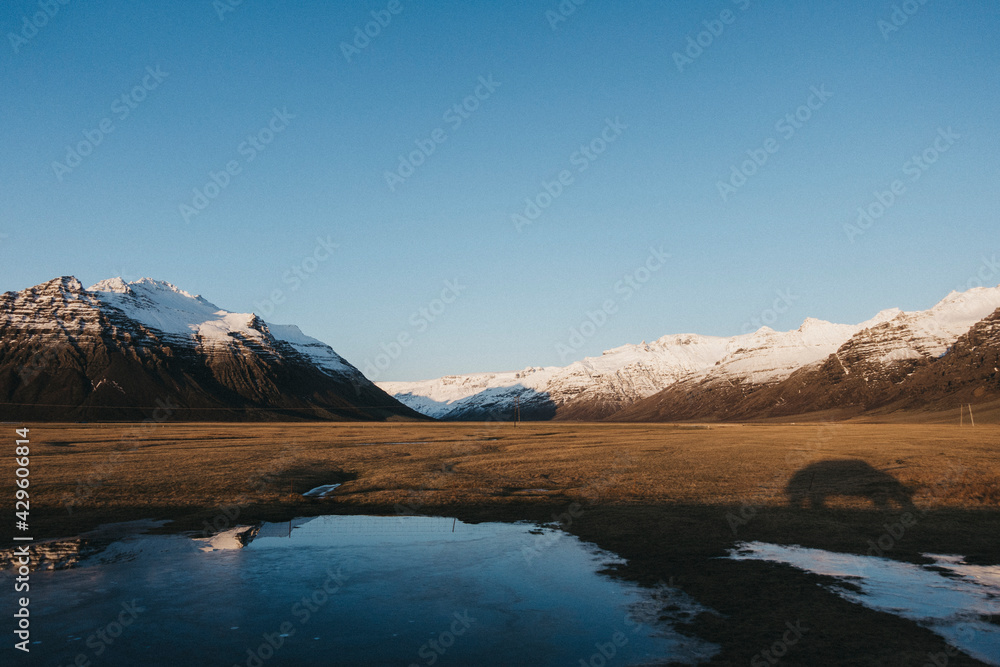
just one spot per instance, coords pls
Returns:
(656, 185)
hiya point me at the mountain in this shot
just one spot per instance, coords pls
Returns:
(598, 387)
(968, 373)
(819, 366)
(866, 372)
(591, 388)
(148, 350)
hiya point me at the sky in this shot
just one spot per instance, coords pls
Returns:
(485, 186)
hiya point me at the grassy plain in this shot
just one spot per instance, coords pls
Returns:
(672, 499)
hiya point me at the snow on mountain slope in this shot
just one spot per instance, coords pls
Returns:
(926, 333)
(189, 319)
(436, 398)
(119, 350)
(864, 373)
(618, 376)
(767, 356)
(317, 351)
(626, 374)
(598, 386)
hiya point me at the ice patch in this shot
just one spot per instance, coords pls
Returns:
(321, 491)
(228, 540)
(952, 606)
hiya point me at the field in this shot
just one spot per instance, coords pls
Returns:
(669, 498)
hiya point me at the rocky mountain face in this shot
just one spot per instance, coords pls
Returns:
(147, 350)
(968, 373)
(599, 387)
(589, 388)
(866, 372)
(819, 366)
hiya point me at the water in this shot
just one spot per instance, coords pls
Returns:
(950, 597)
(321, 491)
(354, 590)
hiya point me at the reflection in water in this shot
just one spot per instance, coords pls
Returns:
(61, 554)
(950, 597)
(227, 540)
(356, 591)
(321, 491)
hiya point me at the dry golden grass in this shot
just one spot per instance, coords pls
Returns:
(198, 466)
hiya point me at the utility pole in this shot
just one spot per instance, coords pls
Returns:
(971, 418)
(517, 411)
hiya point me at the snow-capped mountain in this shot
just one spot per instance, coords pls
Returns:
(124, 350)
(188, 319)
(597, 387)
(969, 372)
(605, 384)
(865, 372)
(691, 376)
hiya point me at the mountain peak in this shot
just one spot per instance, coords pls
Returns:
(64, 283)
(882, 316)
(973, 296)
(814, 323)
(116, 285)
(153, 341)
(149, 285)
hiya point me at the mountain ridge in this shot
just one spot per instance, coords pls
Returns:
(716, 384)
(118, 348)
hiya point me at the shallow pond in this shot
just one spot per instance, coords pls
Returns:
(354, 590)
(949, 597)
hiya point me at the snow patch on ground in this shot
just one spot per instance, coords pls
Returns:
(321, 491)
(954, 606)
(228, 540)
